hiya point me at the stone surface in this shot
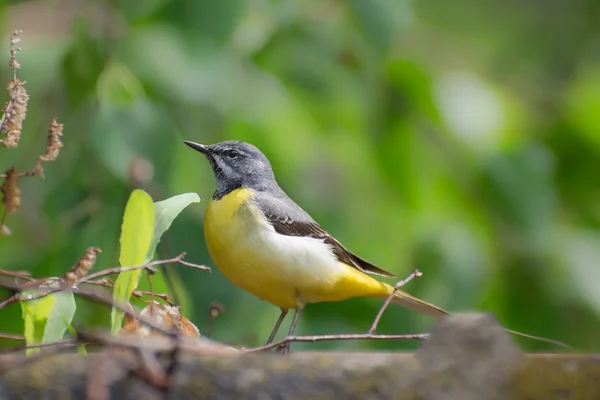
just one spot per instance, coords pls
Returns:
(467, 357)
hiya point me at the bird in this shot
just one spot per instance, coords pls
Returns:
(266, 244)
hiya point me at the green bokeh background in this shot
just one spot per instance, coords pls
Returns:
(461, 138)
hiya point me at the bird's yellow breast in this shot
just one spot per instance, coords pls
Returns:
(283, 270)
(230, 228)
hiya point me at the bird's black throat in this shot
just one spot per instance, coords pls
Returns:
(225, 185)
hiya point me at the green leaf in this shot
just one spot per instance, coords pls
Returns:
(35, 318)
(136, 234)
(63, 311)
(46, 319)
(165, 213)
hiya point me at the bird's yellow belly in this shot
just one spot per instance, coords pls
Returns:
(283, 270)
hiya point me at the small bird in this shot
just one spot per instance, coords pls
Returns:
(264, 243)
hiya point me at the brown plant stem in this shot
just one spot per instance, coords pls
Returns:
(117, 270)
(9, 336)
(416, 273)
(163, 296)
(12, 299)
(26, 275)
(343, 336)
(88, 279)
(105, 298)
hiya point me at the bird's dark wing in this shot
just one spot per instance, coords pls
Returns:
(306, 226)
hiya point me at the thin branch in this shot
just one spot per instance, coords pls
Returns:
(416, 273)
(148, 266)
(88, 279)
(12, 299)
(105, 298)
(31, 285)
(39, 295)
(101, 282)
(32, 172)
(344, 336)
(168, 273)
(9, 336)
(53, 146)
(26, 275)
(191, 265)
(58, 344)
(540, 338)
(141, 293)
(149, 277)
(112, 271)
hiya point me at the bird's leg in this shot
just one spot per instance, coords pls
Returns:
(286, 346)
(284, 312)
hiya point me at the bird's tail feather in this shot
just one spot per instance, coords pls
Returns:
(415, 304)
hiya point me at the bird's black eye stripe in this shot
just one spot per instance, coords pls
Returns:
(232, 154)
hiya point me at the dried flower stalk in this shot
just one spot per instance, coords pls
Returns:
(14, 63)
(15, 111)
(11, 198)
(54, 144)
(11, 192)
(83, 266)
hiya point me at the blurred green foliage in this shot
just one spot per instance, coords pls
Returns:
(461, 138)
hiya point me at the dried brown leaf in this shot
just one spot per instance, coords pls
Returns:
(165, 316)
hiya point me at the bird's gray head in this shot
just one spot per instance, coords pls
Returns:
(237, 164)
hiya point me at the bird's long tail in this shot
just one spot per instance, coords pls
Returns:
(415, 304)
(418, 305)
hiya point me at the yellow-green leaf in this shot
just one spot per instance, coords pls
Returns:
(136, 235)
(46, 319)
(35, 318)
(165, 213)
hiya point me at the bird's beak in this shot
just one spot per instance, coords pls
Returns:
(199, 147)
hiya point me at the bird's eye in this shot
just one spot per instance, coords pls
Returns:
(233, 154)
